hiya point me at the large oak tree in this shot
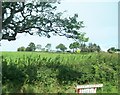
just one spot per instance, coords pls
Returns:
(38, 18)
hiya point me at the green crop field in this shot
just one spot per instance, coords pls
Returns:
(38, 72)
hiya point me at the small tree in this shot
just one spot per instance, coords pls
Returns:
(71, 46)
(82, 39)
(43, 49)
(83, 48)
(74, 45)
(111, 50)
(21, 48)
(98, 48)
(48, 47)
(39, 47)
(28, 49)
(31, 47)
(61, 47)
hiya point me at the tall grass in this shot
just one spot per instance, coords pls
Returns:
(55, 72)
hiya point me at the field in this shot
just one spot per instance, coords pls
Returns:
(38, 72)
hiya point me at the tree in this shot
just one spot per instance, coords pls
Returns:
(31, 47)
(61, 47)
(35, 17)
(74, 45)
(39, 47)
(43, 49)
(28, 49)
(93, 47)
(82, 39)
(83, 48)
(111, 50)
(118, 50)
(71, 46)
(21, 48)
(98, 48)
(48, 46)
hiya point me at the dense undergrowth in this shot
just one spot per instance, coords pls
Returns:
(58, 73)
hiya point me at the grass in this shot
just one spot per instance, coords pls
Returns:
(57, 72)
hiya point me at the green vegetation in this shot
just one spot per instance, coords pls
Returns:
(61, 47)
(74, 45)
(58, 72)
(113, 50)
(45, 21)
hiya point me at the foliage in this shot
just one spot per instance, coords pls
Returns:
(84, 48)
(82, 39)
(21, 48)
(28, 49)
(112, 50)
(39, 47)
(57, 73)
(74, 45)
(35, 17)
(31, 47)
(93, 47)
(48, 46)
(90, 48)
(61, 47)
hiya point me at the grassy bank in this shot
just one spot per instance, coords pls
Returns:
(55, 72)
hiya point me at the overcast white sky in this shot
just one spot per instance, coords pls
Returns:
(100, 20)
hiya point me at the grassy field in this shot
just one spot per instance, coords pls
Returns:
(38, 72)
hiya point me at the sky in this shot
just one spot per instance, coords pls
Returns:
(100, 18)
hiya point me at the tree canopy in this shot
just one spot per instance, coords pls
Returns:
(38, 18)
(31, 47)
(39, 47)
(74, 45)
(21, 48)
(61, 47)
(112, 50)
(48, 47)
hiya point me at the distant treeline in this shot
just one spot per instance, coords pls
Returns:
(74, 47)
